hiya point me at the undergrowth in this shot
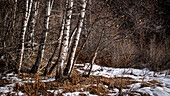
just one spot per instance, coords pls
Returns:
(97, 85)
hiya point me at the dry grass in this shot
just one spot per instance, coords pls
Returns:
(4, 82)
(97, 85)
(168, 73)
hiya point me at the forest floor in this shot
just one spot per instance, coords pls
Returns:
(105, 81)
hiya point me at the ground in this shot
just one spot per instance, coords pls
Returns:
(105, 81)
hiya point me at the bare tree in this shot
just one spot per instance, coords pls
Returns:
(41, 49)
(14, 12)
(76, 38)
(95, 54)
(49, 68)
(56, 50)
(65, 41)
(28, 6)
(33, 22)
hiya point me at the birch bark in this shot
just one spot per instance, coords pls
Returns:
(65, 41)
(44, 37)
(72, 37)
(76, 39)
(24, 28)
(57, 48)
(33, 22)
(95, 54)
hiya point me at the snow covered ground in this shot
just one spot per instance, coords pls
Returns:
(161, 87)
(137, 75)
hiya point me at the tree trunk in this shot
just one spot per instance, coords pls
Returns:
(10, 25)
(14, 13)
(59, 46)
(65, 41)
(33, 22)
(95, 54)
(85, 42)
(44, 38)
(56, 50)
(76, 39)
(22, 38)
(72, 37)
(49, 70)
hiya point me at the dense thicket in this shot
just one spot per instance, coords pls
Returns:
(145, 23)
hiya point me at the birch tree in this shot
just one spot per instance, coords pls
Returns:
(28, 6)
(76, 39)
(33, 22)
(41, 49)
(94, 54)
(65, 41)
(56, 50)
(89, 31)
(49, 70)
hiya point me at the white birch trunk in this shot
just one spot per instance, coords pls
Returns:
(56, 50)
(95, 54)
(76, 39)
(47, 19)
(58, 46)
(44, 38)
(24, 27)
(65, 41)
(72, 37)
(33, 22)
